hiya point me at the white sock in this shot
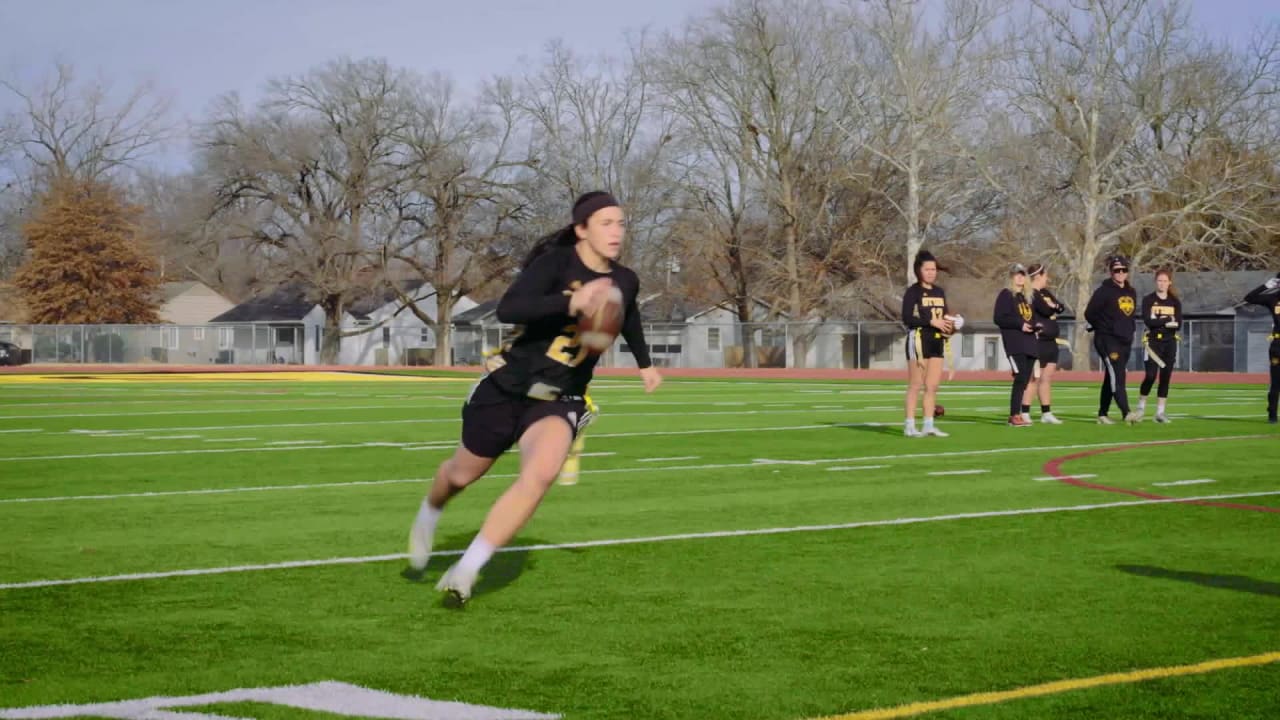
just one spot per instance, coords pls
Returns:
(1160, 406)
(1142, 403)
(910, 423)
(928, 423)
(476, 555)
(428, 516)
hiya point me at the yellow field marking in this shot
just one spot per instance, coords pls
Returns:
(1053, 688)
(165, 377)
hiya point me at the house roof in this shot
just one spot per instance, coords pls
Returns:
(283, 304)
(386, 294)
(728, 305)
(1209, 293)
(171, 290)
(477, 313)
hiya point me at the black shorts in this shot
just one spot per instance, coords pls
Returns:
(932, 344)
(1047, 351)
(493, 420)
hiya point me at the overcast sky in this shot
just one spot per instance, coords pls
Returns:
(195, 50)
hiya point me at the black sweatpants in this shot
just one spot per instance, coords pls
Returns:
(1273, 393)
(1114, 354)
(1022, 367)
(1168, 353)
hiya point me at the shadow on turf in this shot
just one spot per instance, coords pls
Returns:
(895, 428)
(502, 569)
(1228, 582)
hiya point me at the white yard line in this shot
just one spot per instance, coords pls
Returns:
(960, 472)
(1051, 478)
(856, 467)
(1202, 481)
(613, 542)
(21, 430)
(669, 459)
(222, 440)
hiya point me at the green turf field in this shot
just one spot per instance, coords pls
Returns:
(735, 550)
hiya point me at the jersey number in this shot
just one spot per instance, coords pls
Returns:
(566, 349)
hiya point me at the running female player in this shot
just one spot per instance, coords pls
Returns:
(924, 312)
(1162, 312)
(1046, 308)
(1111, 314)
(1268, 296)
(532, 393)
(1013, 315)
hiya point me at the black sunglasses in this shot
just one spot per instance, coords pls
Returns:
(1119, 270)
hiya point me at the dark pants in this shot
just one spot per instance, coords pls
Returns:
(1168, 353)
(1022, 366)
(1114, 354)
(1273, 394)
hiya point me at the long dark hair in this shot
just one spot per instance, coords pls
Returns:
(565, 236)
(1173, 291)
(923, 257)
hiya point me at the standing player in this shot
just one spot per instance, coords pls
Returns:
(924, 312)
(1013, 315)
(1162, 312)
(1046, 308)
(1268, 296)
(532, 393)
(1111, 314)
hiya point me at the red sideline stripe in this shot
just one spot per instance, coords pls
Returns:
(1054, 468)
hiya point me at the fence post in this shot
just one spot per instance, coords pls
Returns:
(1191, 346)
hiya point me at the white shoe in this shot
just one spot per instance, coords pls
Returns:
(456, 584)
(1104, 420)
(1050, 419)
(911, 431)
(419, 546)
(1162, 418)
(1133, 418)
(935, 432)
(1027, 417)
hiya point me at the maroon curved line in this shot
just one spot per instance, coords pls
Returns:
(1054, 468)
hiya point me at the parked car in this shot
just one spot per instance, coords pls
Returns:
(10, 354)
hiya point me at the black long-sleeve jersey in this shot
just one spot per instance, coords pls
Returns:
(921, 306)
(1157, 313)
(545, 359)
(1267, 298)
(1013, 310)
(1046, 308)
(1112, 311)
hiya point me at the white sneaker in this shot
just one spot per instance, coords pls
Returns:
(911, 431)
(1104, 420)
(935, 432)
(456, 585)
(1027, 417)
(1050, 419)
(1162, 418)
(419, 546)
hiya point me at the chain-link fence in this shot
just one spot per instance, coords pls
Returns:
(1217, 344)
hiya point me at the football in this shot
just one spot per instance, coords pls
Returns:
(939, 411)
(597, 331)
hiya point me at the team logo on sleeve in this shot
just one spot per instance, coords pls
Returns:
(1126, 305)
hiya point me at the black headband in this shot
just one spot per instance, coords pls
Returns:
(585, 209)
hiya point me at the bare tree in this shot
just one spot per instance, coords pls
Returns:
(749, 84)
(921, 92)
(66, 129)
(455, 197)
(309, 170)
(599, 125)
(1108, 89)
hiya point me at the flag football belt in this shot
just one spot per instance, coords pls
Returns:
(1151, 354)
(950, 360)
(1274, 336)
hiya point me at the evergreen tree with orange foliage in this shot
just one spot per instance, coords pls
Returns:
(84, 262)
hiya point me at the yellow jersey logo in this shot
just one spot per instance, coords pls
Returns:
(1126, 305)
(1025, 311)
